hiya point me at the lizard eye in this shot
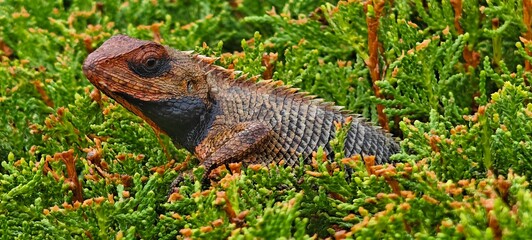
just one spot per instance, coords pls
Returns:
(150, 64)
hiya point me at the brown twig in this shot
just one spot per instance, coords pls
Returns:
(372, 21)
(527, 19)
(457, 7)
(163, 146)
(70, 162)
(6, 50)
(72, 180)
(268, 61)
(237, 219)
(39, 86)
(471, 56)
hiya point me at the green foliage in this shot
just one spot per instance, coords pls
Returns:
(455, 87)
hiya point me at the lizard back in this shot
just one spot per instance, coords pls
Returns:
(300, 122)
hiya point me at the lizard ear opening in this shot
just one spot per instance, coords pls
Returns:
(150, 61)
(190, 86)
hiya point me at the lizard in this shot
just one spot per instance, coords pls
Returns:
(221, 118)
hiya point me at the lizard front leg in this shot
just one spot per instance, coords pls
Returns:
(230, 143)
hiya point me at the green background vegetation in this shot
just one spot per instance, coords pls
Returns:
(454, 82)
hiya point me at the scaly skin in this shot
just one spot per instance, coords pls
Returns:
(220, 119)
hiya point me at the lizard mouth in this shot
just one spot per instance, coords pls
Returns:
(100, 80)
(103, 80)
(97, 78)
(92, 73)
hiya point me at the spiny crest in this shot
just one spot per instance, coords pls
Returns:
(279, 88)
(266, 86)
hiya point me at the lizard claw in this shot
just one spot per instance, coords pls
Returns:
(174, 186)
(205, 182)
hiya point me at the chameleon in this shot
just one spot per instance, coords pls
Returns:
(219, 117)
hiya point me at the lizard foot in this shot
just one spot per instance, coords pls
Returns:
(174, 186)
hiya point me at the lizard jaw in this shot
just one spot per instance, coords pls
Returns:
(98, 80)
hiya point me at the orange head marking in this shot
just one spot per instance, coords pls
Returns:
(133, 71)
(144, 70)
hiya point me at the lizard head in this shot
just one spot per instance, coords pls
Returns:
(160, 84)
(144, 70)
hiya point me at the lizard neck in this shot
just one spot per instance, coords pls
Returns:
(186, 119)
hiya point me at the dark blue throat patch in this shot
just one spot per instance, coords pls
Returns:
(186, 120)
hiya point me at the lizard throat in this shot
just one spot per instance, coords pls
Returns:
(186, 119)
